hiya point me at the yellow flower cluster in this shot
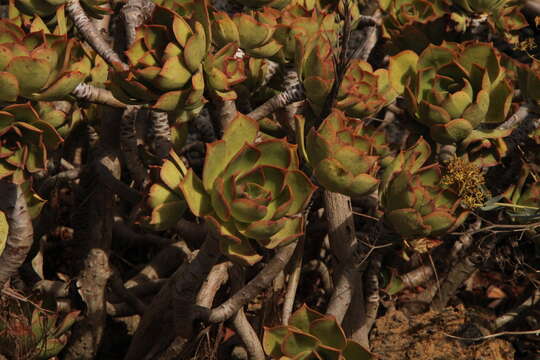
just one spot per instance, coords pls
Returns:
(468, 179)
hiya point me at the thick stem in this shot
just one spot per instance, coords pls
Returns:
(95, 214)
(135, 13)
(161, 134)
(240, 322)
(294, 279)
(459, 273)
(227, 112)
(259, 283)
(172, 307)
(279, 101)
(20, 234)
(92, 36)
(96, 95)
(128, 144)
(514, 313)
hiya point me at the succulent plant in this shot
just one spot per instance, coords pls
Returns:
(165, 197)
(297, 24)
(502, 16)
(315, 67)
(415, 201)
(311, 335)
(223, 70)
(252, 32)
(38, 66)
(42, 336)
(363, 91)
(165, 66)
(456, 88)
(414, 24)
(25, 140)
(250, 190)
(342, 157)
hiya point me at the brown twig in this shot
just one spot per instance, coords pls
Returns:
(172, 307)
(294, 279)
(279, 101)
(492, 336)
(514, 313)
(96, 95)
(20, 235)
(128, 144)
(260, 282)
(92, 36)
(117, 286)
(240, 322)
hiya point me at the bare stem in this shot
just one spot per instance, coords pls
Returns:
(20, 234)
(287, 97)
(92, 35)
(96, 95)
(260, 282)
(294, 279)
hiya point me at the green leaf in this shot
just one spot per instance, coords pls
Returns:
(328, 332)
(195, 49)
(301, 190)
(400, 68)
(196, 197)
(272, 339)
(241, 129)
(296, 343)
(167, 215)
(9, 87)
(303, 317)
(32, 74)
(407, 223)
(61, 87)
(173, 75)
(170, 175)
(214, 163)
(4, 230)
(240, 252)
(159, 194)
(439, 221)
(354, 351)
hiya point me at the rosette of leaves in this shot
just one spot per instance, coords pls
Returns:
(414, 24)
(43, 336)
(457, 88)
(57, 24)
(223, 70)
(297, 24)
(363, 92)
(342, 157)
(415, 202)
(25, 141)
(251, 31)
(315, 67)
(94, 8)
(165, 198)
(165, 66)
(250, 191)
(39, 66)
(502, 16)
(311, 335)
